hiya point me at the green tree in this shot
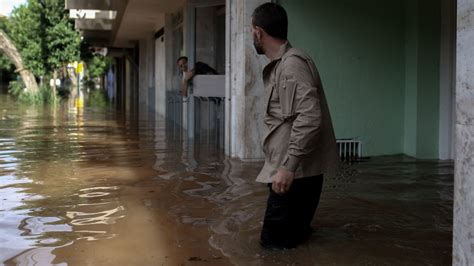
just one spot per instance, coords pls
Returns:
(6, 65)
(8, 48)
(63, 42)
(63, 45)
(97, 66)
(45, 36)
(26, 31)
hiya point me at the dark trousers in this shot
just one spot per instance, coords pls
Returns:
(288, 217)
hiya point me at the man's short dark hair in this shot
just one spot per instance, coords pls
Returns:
(272, 18)
(181, 58)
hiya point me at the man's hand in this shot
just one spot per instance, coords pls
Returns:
(189, 75)
(282, 181)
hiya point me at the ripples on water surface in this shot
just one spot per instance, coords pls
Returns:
(98, 188)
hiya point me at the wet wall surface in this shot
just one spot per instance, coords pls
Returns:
(100, 188)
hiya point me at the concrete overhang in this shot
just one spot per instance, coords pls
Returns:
(97, 20)
(94, 4)
(94, 24)
(92, 14)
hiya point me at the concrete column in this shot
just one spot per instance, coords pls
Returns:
(463, 229)
(244, 85)
(169, 60)
(146, 94)
(160, 76)
(142, 74)
(190, 51)
(151, 71)
(128, 86)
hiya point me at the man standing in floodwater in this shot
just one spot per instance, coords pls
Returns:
(300, 145)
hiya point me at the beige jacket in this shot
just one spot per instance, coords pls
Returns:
(300, 136)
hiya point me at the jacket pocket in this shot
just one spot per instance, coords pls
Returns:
(287, 98)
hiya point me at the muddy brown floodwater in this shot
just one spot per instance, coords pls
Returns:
(102, 188)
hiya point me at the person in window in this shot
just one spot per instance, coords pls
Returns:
(200, 68)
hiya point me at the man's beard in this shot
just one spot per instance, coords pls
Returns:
(258, 46)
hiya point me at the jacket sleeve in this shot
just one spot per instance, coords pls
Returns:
(300, 102)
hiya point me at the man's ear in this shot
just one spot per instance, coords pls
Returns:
(259, 32)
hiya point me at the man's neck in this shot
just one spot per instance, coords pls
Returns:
(273, 48)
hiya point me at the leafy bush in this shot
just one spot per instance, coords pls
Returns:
(44, 96)
(98, 98)
(98, 65)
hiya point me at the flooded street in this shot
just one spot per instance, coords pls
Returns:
(103, 188)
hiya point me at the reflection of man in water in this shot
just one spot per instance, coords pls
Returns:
(200, 68)
(300, 145)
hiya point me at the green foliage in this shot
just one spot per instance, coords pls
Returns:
(16, 88)
(26, 31)
(98, 98)
(54, 11)
(3, 24)
(5, 64)
(63, 41)
(44, 35)
(44, 96)
(47, 41)
(98, 65)
(63, 45)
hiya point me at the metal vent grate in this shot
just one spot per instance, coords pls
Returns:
(349, 149)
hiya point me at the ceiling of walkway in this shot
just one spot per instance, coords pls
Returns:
(136, 19)
(143, 18)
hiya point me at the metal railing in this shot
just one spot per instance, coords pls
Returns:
(209, 117)
(208, 114)
(174, 107)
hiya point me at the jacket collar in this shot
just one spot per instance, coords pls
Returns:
(283, 49)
